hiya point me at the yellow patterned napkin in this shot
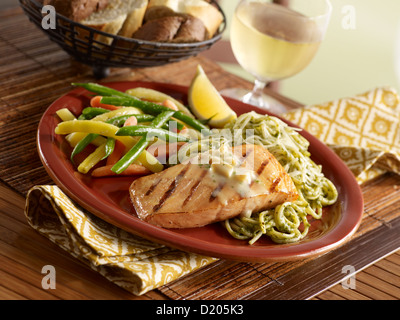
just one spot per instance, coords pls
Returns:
(133, 263)
(363, 130)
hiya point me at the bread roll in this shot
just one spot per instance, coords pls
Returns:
(207, 13)
(191, 30)
(121, 17)
(173, 28)
(134, 19)
(76, 10)
(160, 30)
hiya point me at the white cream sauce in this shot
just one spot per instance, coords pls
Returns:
(241, 180)
(228, 176)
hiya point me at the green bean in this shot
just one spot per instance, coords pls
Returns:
(102, 90)
(120, 120)
(149, 132)
(154, 108)
(142, 144)
(110, 145)
(91, 112)
(171, 125)
(82, 144)
(145, 106)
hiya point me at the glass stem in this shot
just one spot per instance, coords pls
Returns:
(255, 97)
(258, 89)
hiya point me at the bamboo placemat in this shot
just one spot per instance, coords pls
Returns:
(34, 72)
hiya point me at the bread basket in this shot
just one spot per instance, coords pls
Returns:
(121, 52)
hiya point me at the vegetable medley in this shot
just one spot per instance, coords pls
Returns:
(122, 127)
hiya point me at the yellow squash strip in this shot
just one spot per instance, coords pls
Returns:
(150, 162)
(65, 114)
(92, 159)
(116, 113)
(92, 126)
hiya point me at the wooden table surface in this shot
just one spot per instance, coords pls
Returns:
(33, 73)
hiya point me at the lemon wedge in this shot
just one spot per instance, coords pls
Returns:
(206, 102)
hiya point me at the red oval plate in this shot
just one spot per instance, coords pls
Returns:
(108, 198)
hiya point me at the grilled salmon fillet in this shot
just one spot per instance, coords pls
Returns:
(191, 195)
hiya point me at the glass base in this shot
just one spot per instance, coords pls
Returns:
(264, 102)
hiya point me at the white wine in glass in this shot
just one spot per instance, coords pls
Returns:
(274, 42)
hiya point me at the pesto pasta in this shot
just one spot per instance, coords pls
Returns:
(282, 223)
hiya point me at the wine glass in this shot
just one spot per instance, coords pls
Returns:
(275, 41)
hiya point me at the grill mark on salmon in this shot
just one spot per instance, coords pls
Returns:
(262, 166)
(172, 187)
(153, 186)
(194, 187)
(216, 191)
(274, 184)
(245, 155)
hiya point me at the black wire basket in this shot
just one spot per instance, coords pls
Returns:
(120, 52)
